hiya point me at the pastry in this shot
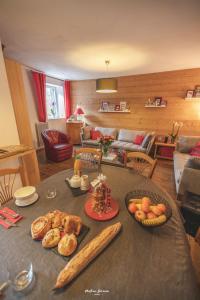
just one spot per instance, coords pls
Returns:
(39, 227)
(156, 221)
(67, 244)
(51, 238)
(86, 255)
(72, 224)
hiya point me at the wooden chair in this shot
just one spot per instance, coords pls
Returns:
(7, 180)
(90, 157)
(141, 163)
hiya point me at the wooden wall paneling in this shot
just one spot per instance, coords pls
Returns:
(16, 84)
(136, 89)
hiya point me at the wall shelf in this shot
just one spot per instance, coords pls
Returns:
(154, 106)
(192, 99)
(115, 111)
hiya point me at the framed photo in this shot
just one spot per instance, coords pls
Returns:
(122, 105)
(158, 101)
(197, 93)
(197, 88)
(117, 107)
(190, 94)
(161, 138)
(105, 105)
(163, 103)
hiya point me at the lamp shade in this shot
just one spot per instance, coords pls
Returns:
(106, 85)
(79, 111)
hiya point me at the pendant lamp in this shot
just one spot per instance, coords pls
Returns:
(106, 85)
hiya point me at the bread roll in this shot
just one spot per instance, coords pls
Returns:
(39, 227)
(67, 244)
(86, 255)
(51, 238)
(72, 224)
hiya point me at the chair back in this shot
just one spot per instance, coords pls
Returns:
(141, 163)
(90, 157)
(7, 180)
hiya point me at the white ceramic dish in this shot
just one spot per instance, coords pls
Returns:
(24, 192)
(26, 202)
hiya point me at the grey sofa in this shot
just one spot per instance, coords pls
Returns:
(186, 167)
(123, 138)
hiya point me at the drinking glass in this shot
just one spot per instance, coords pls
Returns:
(21, 275)
(51, 193)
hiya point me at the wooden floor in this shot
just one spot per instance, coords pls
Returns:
(163, 176)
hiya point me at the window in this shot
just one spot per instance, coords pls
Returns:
(55, 101)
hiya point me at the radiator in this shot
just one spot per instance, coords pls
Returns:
(39, 128)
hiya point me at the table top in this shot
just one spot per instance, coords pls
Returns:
(165, 144)
(140, 263)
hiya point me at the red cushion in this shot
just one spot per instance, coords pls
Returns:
(196, 150)
(138, 139)
(95, 134)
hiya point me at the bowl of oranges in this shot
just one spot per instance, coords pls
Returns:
(148, 208)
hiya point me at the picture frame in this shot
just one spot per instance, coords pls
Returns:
(161, 138)
(190, 94)
(105, 105)
(122, 105)
(157, 101)
(197, 93)
(197, 88)
(117, 107)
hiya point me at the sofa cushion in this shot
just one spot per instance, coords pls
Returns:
(95, 134)
(196, 150)
(127, 146)
(87, 132)
(186, 143)
(127, 135)
(61, 147)
(180, 159)
(91, 142)
(138, 139)
(107, 131)
(193, 163)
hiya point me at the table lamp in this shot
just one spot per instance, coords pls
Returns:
(79, 113)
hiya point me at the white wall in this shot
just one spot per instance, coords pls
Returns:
(59, 124)
(8, 127)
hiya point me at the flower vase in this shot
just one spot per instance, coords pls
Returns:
(105, 150)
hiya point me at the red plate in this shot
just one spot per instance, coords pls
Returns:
(110, 214)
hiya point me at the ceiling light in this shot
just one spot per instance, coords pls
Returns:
(106, 85)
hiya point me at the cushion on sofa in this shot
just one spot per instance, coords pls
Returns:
(126, 146)
(91, 142)
(138, 139)
(95, 134)
(180, 159)
(196, 150)
(107, 131)
(87, 132)
(193, 163)
(127, 135)
(186, 143)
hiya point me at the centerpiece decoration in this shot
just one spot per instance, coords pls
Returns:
(175, 131)
(100, 205)
(105, 142)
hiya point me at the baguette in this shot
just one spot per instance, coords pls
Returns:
(86, 255)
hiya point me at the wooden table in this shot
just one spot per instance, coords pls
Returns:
(159, 146)
(141, 263)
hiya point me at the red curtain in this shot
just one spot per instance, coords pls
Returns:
(67, 98)
(40, 87)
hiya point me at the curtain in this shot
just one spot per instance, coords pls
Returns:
(40, 87)
(67, 98)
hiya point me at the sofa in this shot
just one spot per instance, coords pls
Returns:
(123, 138)
(186, 167)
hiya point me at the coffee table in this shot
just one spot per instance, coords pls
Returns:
(112, 158)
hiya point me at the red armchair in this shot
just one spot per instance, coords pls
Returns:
(57, 146)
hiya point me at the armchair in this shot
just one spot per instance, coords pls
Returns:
(57, 145)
